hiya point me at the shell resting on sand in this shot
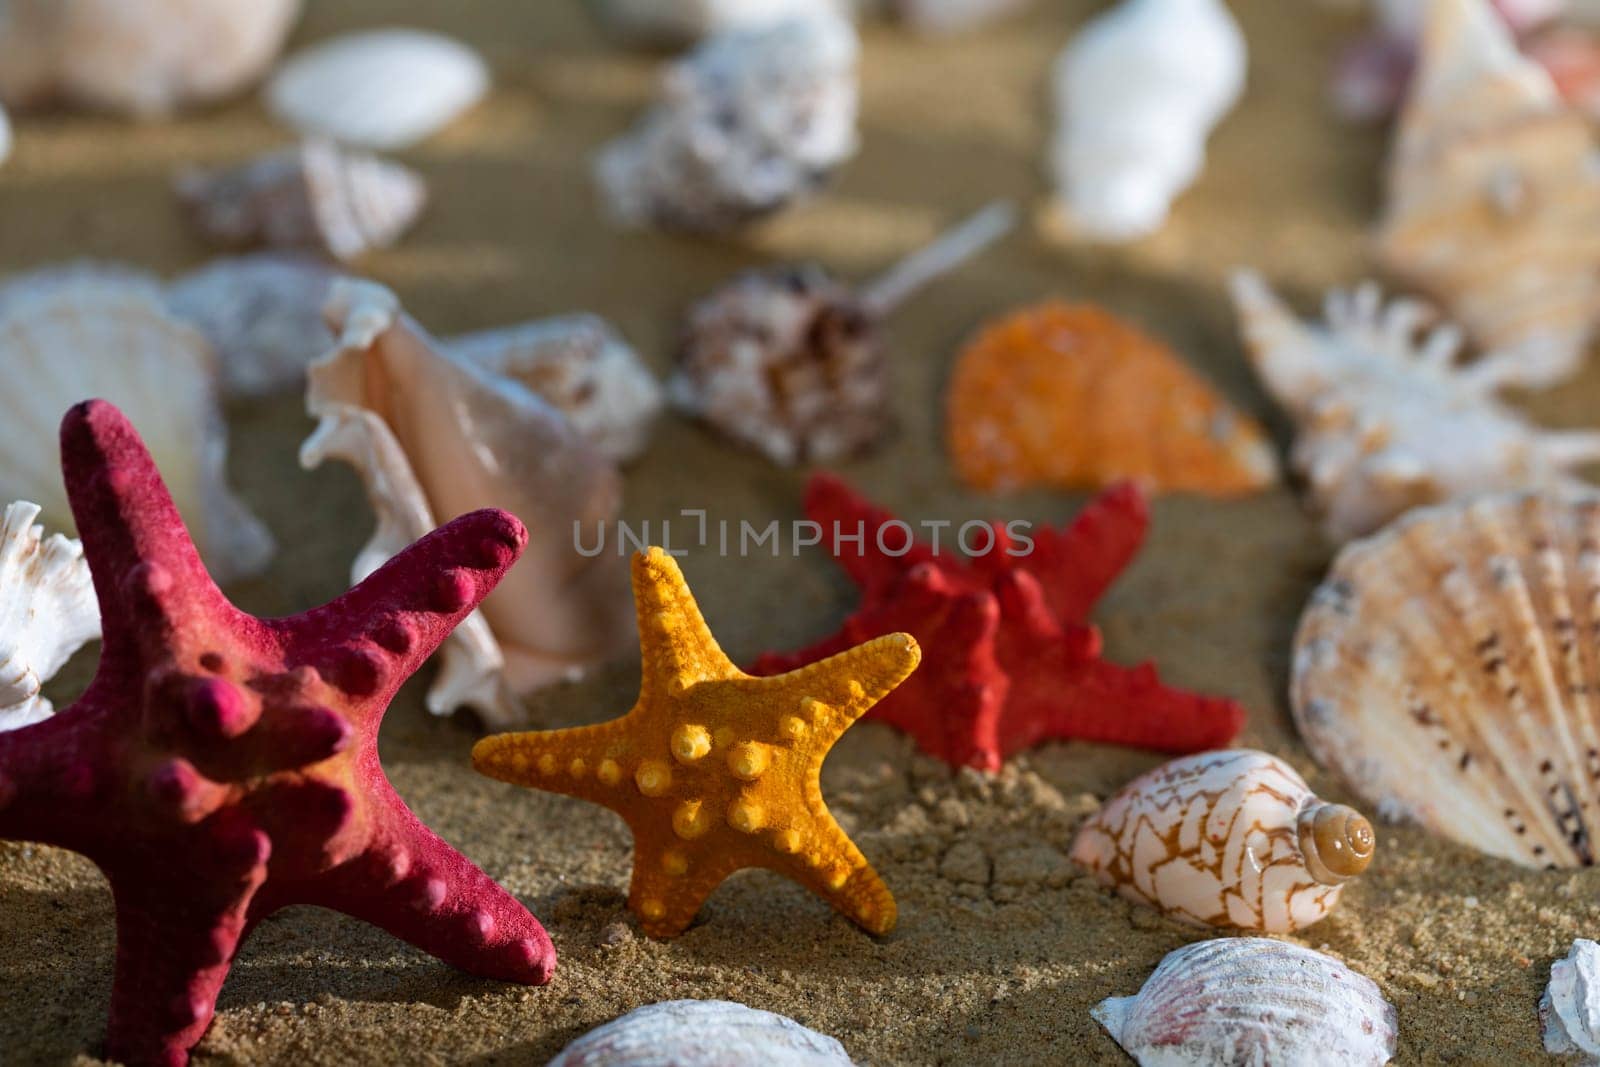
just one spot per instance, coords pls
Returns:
(702, 1033)
(47, 611)
(1569, 1010)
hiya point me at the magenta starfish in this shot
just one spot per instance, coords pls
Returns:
(221, 766)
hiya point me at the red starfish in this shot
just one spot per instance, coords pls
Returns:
(1010, 660)
(221, 767)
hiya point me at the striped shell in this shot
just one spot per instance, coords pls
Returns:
(1230, 838)
(1252, 1000)
(702, 1033)
(1447, 668)
(47, 611)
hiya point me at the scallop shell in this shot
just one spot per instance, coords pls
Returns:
(433, 437)
(747, 123)
(583, 368)
(1252, 1000)
(1071, 396)
(383, 89)
(1387, 420)
(1138, 91)
(316, 195)
(702, 1033)
(675, 23)
(952, 16)
(1494, 196)
(1230, 838)
(83, 332)
(1569, 1010)
(147, 58)
(47, 612)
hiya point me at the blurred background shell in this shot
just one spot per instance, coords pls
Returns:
(950, 16)
(48, 611)
(702, 1033)
(675, 23)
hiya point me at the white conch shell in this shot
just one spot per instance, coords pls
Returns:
(1252, 1000)
(1494, 196)
(702, 1033)
(1387, 419)
(47, 612)
(583, 368)
(315, 195)
(683, 22)
(263, 315)
(1444, 668)
(748, 122)
(147, 58)
(384, 89)
(434, 437)
(1569, 1010)
(82, 332)
(1228, 838)
(1138, 91)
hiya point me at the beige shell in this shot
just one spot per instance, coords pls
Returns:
(434, 437)
(1231, 838)
(316, 195)
(1445, 669)
(1387, 420)
(1569, 1010)
(1494, 196)
(86, 331)
(47, 612)
(147, 58)
(702, 1033)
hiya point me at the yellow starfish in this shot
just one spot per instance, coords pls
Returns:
(714, 770)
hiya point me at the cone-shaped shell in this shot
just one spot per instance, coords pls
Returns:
(434, 437)
(1252, 1000)
(1494, 196)
(47, 612)
(1073, 397)
(1229, 838)
(1444, 669)
(702, 1033)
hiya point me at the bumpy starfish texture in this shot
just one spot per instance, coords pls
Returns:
(1013, 661)
(221, 766)
(714, 770)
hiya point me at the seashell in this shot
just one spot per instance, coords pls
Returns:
(1138, 91)
(48, 608)
(1387, 420)
(1571, 56)
(384, 89)
(1494, 196)
(86, 331)
(263, 315)
(1440, 668)
(1569, 1010)
(1070, 396)
(1252, 1000)
(432, 437)
(750, 121)
(316, 195)
(952, 16)
(146, 58)
(676, 23)
(702, 1033)
(583, 368)
(1230, 838)
(790, 362)
(1405, 19)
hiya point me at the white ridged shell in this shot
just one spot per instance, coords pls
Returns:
(384, 89)
(683, 22)
(80, 332)
(1447, 669)
(1252, 1000)
(47, 612)
(702, 1033)
(1569, 1010)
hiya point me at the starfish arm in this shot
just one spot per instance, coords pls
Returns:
(1077, 565)
(665, 897)
(831, 866)
(833, 693)
(589, 762)
(676, 646)
(843, 513)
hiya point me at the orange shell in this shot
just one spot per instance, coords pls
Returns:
(1070, 396)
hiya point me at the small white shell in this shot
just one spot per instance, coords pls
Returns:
(583, 368)
(383, 89)
(702, 1033)
(1569, 1010)
(263, 314)
(682, 22)
(85, 331)
(1137, 93)
(47, 611)
(1252, 1000)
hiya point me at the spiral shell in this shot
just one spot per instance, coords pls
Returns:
(1229, 838)
(47, 612)
(702, 1033)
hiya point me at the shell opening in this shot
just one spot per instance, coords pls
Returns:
(1337, 842)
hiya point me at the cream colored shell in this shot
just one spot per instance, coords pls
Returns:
(702, 1033)
(47, 612)
(1231, 838)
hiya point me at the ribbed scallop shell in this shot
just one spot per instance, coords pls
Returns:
(1447, 669)
(675, 23)
(702, 1033)
(1569, 1010)
(70, 334)
(1252, 1000)
(47, 612)
(384, 89)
